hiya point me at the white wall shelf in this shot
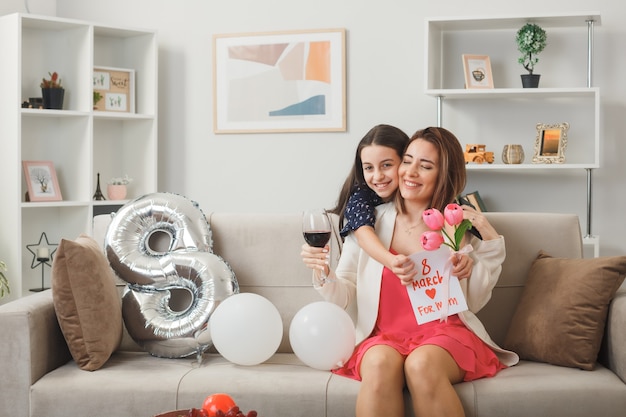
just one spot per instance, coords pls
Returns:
(508, 113)
(527, 166)
(79, 141)
(510, 93)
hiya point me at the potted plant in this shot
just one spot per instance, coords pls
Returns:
(4, 282)
(52, 92)
(116, 187)
(531, 39)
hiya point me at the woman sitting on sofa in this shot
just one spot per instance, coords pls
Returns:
(393, 350)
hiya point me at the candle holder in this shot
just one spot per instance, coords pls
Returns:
(42, 256)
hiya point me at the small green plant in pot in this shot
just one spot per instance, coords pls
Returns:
(531, 40)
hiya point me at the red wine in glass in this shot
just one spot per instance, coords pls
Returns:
(319, 239)
(316, 230)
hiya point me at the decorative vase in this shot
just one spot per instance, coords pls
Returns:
(530, 80)
(53, 98)
(513, 154)
(116, 191)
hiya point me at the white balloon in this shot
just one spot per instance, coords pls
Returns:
(246, 329)
(322, 335)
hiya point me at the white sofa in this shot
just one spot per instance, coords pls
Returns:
(39, 378)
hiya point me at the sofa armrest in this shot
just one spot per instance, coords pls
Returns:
(616, 334)
(32, 345)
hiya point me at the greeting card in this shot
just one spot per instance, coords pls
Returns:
(435, 293)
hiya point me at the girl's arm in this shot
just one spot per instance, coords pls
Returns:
(401, 265)
(369, 241)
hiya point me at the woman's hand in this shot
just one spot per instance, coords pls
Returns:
(316, 259)
(480, 223)
(462, 266)
(404, 268)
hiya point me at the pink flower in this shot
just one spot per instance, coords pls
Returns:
(433, 219)
(432, 240)
(453, 214)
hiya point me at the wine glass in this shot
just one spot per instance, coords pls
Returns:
(316, 230)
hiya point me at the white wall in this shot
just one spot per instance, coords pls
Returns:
(288, 172)
(43, 7)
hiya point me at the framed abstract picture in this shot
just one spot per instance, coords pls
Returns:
(279, 82)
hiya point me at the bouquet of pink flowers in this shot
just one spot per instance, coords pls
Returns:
(453, 215)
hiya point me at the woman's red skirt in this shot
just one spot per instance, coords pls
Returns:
(397, 327)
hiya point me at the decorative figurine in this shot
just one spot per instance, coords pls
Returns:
(476, 153)
(98, 194)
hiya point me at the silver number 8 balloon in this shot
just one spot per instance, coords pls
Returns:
(161, 245)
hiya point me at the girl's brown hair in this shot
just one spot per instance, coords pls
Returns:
(382, 135)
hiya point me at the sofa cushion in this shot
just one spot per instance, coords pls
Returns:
(562, 312)
(86, 302)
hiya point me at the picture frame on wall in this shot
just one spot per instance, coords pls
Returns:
(477, 69)
(291, 81)
(113, 89)
(41, 181)
(550, 143)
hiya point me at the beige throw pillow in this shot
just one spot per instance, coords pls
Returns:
(561, 315)
(86, 302)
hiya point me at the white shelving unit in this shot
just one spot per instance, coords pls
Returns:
(508, 113)
(79, 141)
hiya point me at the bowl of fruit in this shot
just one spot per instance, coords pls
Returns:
(215, 405)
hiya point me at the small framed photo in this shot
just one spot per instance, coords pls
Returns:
(41, 180)
(550, 143)
(113, 89)
(477, 70)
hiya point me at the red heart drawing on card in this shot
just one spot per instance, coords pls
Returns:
(431, 293)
